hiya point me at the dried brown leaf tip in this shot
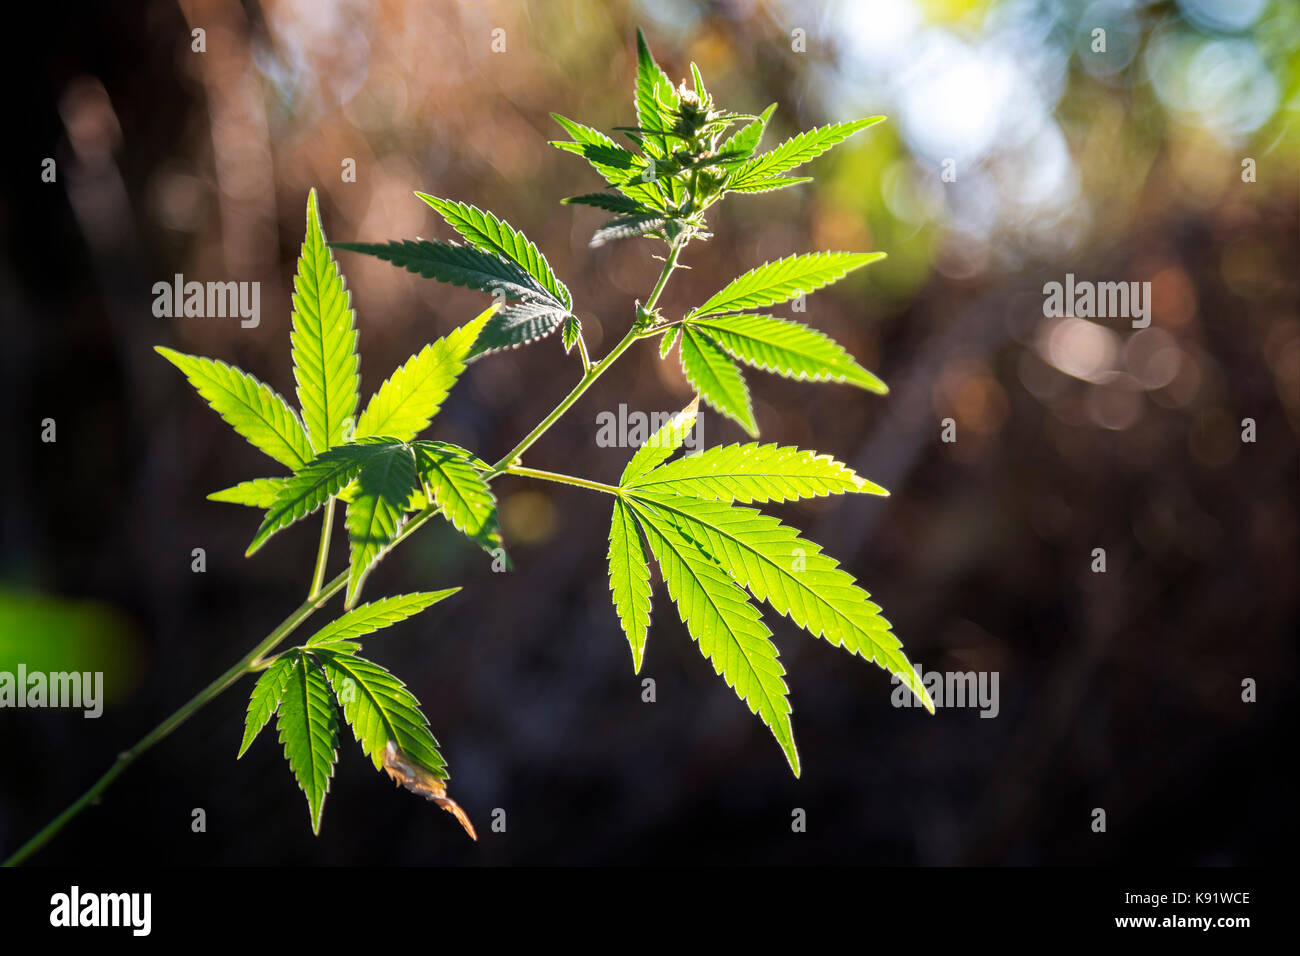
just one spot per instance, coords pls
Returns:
(418, 780)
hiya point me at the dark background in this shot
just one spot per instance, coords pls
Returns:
(1120, 691)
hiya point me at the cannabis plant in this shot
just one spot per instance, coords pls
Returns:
(689, 514)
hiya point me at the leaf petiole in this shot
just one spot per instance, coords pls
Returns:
(323, 553)
(582, 353)
(523, 472)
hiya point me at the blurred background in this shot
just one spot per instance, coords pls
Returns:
(1120, 691)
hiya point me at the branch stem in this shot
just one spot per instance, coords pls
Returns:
(593, 372)
(321, 592)
(248, 663)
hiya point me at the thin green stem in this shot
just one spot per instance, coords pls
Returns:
(582, 354)
(566, 403)
(248, 663)
(592, 373)
(254, 661)
(322, 555)
(561, 479)
(670, 264)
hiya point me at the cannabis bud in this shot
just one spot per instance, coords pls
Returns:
(693, 111)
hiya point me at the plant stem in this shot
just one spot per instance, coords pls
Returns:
(245, 665)
(592, 373)
(582, 354)
(669, 265)
(322, 555)
(321, 593)
(561, 479)
(566, 403)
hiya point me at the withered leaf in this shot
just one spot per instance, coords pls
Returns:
(419, 780)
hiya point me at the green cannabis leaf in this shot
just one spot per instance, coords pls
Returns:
(410, 398)
(745, 140)
(768, 185)
(775, 282)
(656, 100)
(619, 167)
(710, 336)
(486, 232)
(453, 481)
(629, 579)
(722, 621)
(308, 727)
(627, 227)
(501, 261)
(709, 549)
(314, 484)
(668, 340)
(380, 709)
(377, 615)
(258, 413)
(378, 469)
(719, 557)
(790, 573)
(378, 508)
(797, 151)
(716, 378)
(570, 333)
(265, 700)
(455, 264)
(297, 685)
(751, 472)
(254, 493)
(324, 339)
(661, 445)
(785, 347)
(519, 324)
(610, 202)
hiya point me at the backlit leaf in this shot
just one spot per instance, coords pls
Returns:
(407, 401)
(485, 231)
(787, 348)
(717, 379)
(265, 699)
(255, 493)
(377, 510)
(793, 575)
(324, 339)
(797, 151)
(754, 472)
(455, 264)
(780, 281)
(725, 625)
(629, 579)
(254, 410)
(377, 615)
(308, 727)
(315, 483)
